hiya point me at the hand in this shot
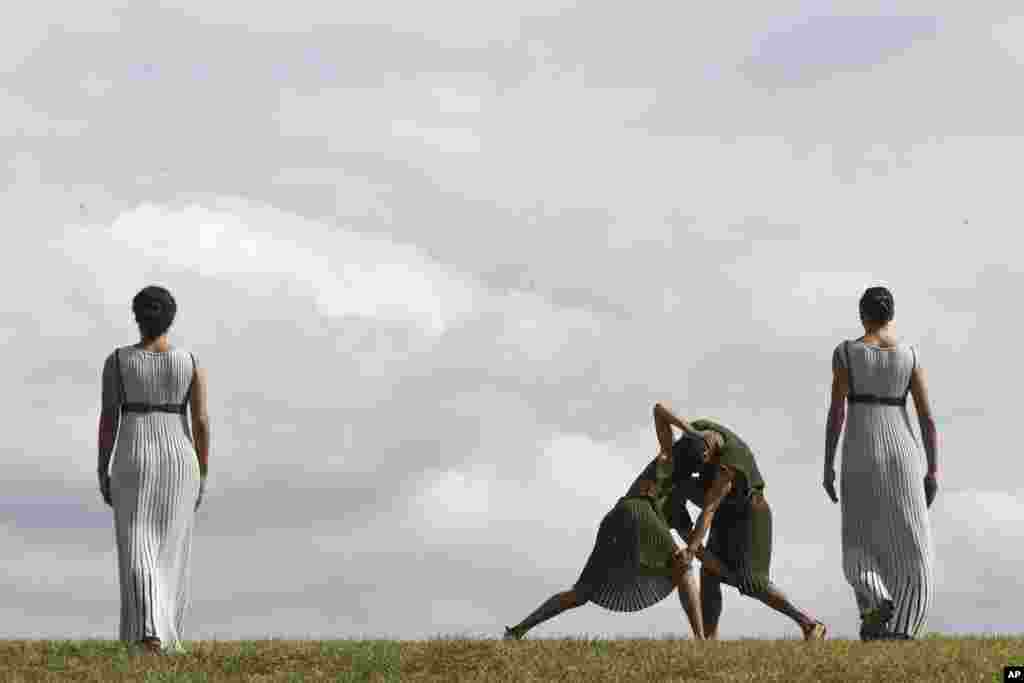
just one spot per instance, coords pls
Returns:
(202, 489)
(712, 440)
(931, 487)
(830, 484)
(105, 489)
(682, 558)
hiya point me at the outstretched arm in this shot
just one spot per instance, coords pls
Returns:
(929, 435)
(664, 420)
(110, 401)
(836, 420)
(712, 500)
(105, 442)
(200, 419)
(837, 410)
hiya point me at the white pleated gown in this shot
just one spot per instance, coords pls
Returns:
(887, 540)
(154, 483)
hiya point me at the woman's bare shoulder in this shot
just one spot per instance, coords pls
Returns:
(837, 350)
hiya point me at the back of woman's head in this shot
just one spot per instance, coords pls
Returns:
(154, 309)
(876, 305)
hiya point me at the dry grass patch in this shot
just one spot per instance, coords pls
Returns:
(933, 659)
(950, 660)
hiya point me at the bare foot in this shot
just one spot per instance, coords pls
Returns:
(151, 645)
(512, 634)
(815, 631)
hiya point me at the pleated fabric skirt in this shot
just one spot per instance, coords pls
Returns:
(154, 484)
(888, 552)
(741, 538)
(630, 567)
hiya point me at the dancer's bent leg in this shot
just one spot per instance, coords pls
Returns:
(777, 600)
(772, 596)
(552, 607)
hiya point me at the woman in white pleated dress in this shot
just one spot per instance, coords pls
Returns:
(888, 553)
(156, 481)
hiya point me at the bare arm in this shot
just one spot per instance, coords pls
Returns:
(664, 420)
(200, 420)
(837, 410)
(110, 411)
(929, 435)
(663, 429)
(712, 500)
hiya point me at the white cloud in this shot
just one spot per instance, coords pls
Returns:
(23, 120)
(95, 86)
(430, 344)
(818, 288)
(591, 474)
(457, 140)
(1010, 36)
(477, 23)
(533, 330)
(975, 516)
(347, 273)
(453, 101)
(458, 500)
(584, 475)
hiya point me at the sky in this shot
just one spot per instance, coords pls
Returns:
(441, 259)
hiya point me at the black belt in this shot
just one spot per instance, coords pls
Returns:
(883, 400)
(150, 408)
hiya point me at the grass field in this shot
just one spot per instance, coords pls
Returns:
(942, 659)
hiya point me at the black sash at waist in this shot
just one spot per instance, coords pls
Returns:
(150, 408)
(883, 400)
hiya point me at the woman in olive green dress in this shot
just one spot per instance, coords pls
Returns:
(636, 562)
(730, 491)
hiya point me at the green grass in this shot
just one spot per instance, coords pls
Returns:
(204, 661)
(934, 658)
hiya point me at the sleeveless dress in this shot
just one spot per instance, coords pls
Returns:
(741, 532)
(888, 553)
(154, 484)
(630, 567)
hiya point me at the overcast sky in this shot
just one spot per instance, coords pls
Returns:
(440, 260)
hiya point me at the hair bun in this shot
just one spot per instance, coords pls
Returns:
(154, 309)
(877, 304)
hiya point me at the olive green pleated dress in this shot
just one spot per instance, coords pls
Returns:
(630, 567)
(741, 531)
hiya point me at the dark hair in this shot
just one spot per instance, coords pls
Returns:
(877, 305)
(154, 309)
(687, 456)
